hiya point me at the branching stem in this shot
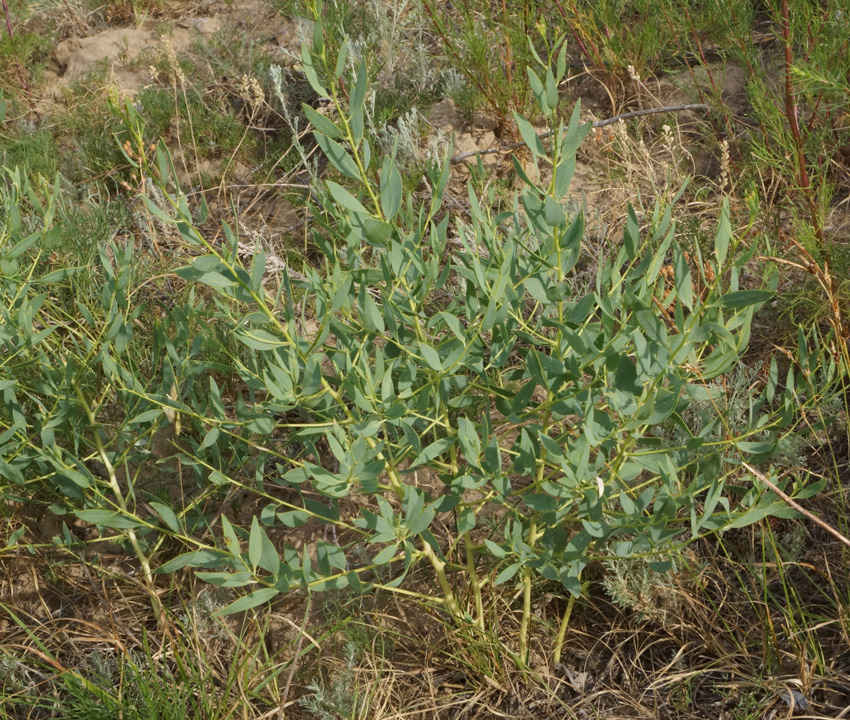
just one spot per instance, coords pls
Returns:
(122, 504)
(440, 570)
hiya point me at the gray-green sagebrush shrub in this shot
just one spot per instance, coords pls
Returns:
(422, 342)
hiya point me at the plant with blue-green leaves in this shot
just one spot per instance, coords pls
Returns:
(466, 348)
(474, 357)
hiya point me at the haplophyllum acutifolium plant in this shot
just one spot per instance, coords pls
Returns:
(425, 351)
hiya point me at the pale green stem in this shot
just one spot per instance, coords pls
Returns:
(562, 631)
(473, 580)
(440, 569)
(469, 547)
(119, 498)
(526, 595)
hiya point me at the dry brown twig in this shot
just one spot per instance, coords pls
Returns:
(799, 508)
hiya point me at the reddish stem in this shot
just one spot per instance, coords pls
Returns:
(473, 77)
(793, 124)
(726, 119)
(8, 18)
(507, 56)
(594, 51)
(752, 72)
